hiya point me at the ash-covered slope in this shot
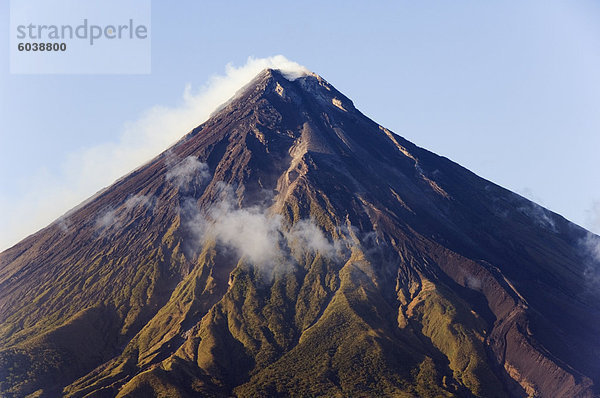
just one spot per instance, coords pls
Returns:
(291, 246)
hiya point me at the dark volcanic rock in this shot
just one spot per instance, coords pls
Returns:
(291, 246)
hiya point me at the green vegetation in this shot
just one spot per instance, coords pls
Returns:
(143, 307)
(459, 334)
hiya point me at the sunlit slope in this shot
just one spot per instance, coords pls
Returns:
(291, 246)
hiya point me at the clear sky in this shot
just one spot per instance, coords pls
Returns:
(508, 89)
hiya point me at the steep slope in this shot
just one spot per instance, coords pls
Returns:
(290, 245)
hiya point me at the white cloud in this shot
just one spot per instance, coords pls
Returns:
(116, 217)
(593, 217)
(138, 200)
(540, 215)
(106, 219)
(249, 231)
(591, 247)
(305, 234)
(187, 171)
(84, 172)
(261, 238)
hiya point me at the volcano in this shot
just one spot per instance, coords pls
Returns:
(291, 246)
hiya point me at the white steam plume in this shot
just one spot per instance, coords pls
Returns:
(85, 171)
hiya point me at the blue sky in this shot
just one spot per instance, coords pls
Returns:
(510, 90)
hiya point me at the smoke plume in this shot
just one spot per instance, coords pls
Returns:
(49, 195)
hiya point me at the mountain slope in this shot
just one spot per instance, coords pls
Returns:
(290, 245)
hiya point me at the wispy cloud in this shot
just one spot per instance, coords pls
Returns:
(187, 171)
(84, 172)
(106, 219)
(591, 247)
(115, 217)
(593, 217)
(263, 239)
(539, 215)
(138, 200)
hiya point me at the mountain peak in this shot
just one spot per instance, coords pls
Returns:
(399, 272)
(295, 80)
(290, 73)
